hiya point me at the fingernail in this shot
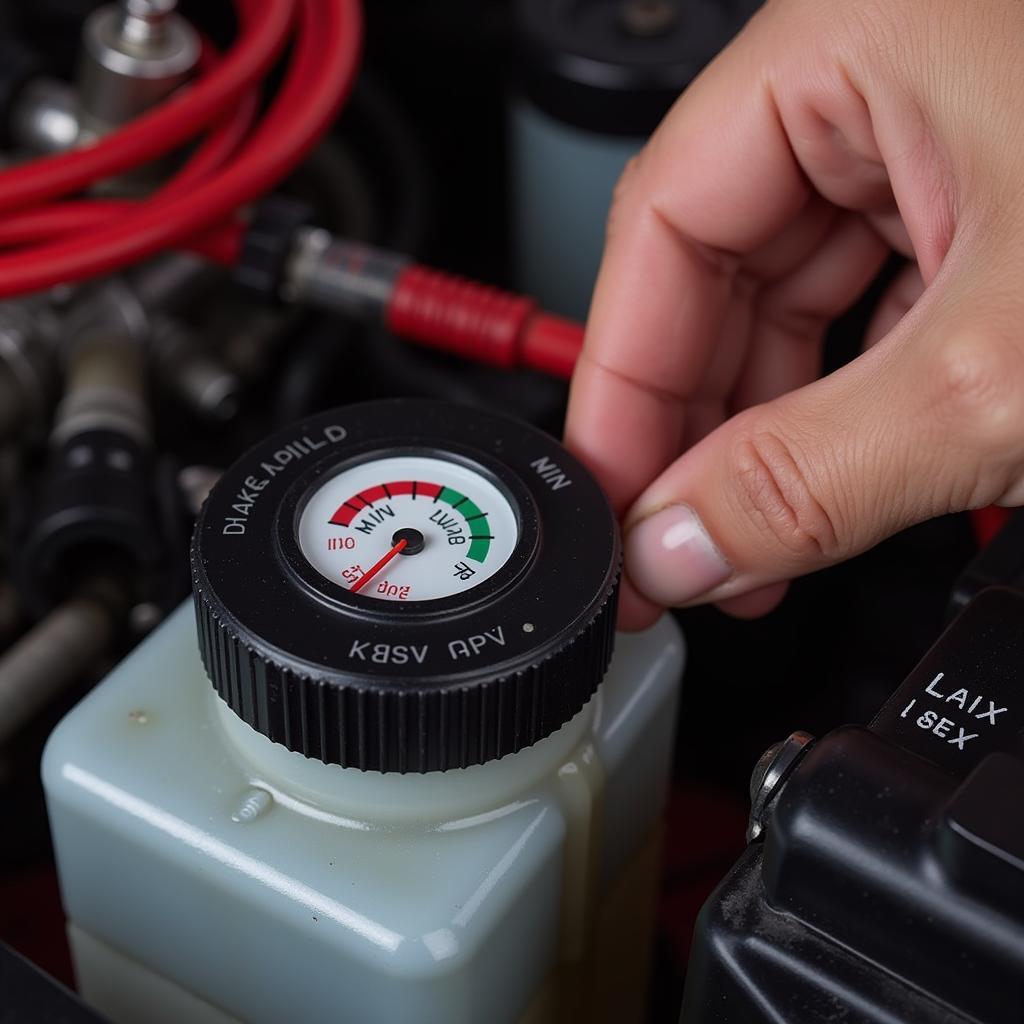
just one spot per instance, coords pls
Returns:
(671, 559)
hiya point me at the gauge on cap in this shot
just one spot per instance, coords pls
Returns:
(406, 586)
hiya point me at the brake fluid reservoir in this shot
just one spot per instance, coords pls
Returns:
(421, 787)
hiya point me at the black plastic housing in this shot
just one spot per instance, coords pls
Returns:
(93, 512)
(267, 244)
(890, 883)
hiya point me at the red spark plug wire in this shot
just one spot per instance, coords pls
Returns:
(227, 171)
(476, 321)
(265, 29)
(238, 160)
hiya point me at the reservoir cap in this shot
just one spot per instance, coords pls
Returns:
(406, 586)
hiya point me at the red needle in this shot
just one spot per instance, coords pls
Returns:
(374, 569)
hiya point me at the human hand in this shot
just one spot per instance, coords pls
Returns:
(826, 135)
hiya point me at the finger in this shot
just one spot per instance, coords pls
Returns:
(624, 444)
(792, 315)
(889, 223)
(707, 191)
(701, 418)
(789, 249)
(925, 423)
(635, 611)
(667, 273)
(898, 299)
(706, 408)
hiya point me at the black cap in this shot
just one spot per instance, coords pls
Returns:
(406, 686)
(589, 65)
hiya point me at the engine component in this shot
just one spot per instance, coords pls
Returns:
(135, 55)
(94, 507)
(282, 258)
(98, 506)
(228, 169)
(198, 378)
(28, 372)
(50, 656)
(594, 80)
(400, 588)
(885, 849)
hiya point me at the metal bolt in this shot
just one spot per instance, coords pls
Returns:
(144, 21)
(133, 56)
(772, 769)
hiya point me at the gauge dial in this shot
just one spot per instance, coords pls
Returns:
(408, 528)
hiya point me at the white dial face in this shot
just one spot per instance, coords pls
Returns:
(408, 528)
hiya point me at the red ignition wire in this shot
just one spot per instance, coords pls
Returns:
(197, 207)
(57, 242)
(476, 321)
(265, 29)
(60, 219)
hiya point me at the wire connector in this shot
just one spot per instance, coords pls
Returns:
(268, 244)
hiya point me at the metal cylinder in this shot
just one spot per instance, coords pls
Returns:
(103, 340)
(330, 273)
(49, 658)
(134, 55)
(105, 388)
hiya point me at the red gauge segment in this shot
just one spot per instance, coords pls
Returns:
(351, 507)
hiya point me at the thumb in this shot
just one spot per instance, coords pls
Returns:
(926, 422)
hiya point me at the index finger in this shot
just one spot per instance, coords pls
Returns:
(716, 181)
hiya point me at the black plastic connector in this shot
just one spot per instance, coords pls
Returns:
(268, 243)
(102, 508)
(93, 513)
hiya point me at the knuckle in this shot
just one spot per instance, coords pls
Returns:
(778, 496)
(977, 390)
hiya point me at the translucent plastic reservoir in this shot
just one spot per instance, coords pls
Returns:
(210, 875)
